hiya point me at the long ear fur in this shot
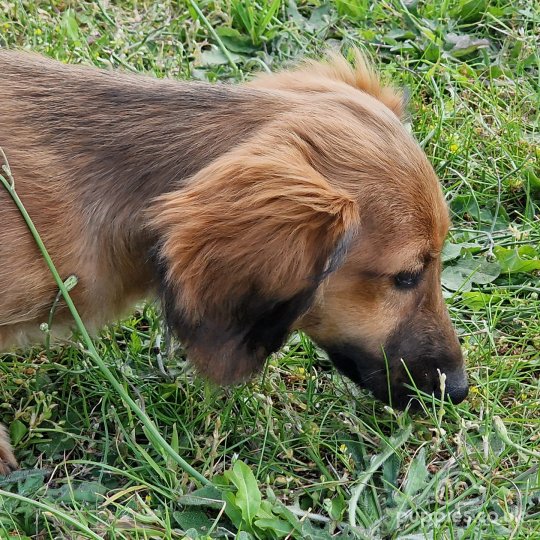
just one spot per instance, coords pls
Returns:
(243, 249)
(316, 75)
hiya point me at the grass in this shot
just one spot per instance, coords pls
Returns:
(299, 452)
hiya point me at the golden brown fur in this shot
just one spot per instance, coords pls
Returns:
(297, 200)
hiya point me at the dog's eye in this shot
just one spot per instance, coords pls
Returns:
(407, 280)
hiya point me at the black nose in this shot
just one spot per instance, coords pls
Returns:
(457, 386)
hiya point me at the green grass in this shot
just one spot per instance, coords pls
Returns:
(320, 454)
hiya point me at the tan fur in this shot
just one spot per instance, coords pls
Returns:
(288, 202)
(334, 74)
(8, 462)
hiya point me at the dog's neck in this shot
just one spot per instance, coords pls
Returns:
(149, 136)
(152, 139)
(104, 145)
(152, 142)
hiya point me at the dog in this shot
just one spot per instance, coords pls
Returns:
(298, 200)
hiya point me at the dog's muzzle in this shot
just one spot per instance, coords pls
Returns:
(397, 382)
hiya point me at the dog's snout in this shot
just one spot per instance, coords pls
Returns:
(457, 386)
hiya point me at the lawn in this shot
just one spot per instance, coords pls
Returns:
(299, 452)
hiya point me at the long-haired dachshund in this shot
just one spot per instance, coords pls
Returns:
(296, 201)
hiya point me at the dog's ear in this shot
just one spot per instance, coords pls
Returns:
(242, 249)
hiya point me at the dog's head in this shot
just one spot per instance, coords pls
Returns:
(330, 219)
